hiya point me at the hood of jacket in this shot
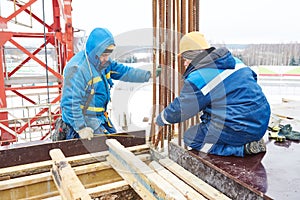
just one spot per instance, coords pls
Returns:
(98, 40)
(220, 58)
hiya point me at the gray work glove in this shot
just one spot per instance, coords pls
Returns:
(86, 133)
(157, 72)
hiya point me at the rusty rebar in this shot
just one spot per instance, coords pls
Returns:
(175, 18)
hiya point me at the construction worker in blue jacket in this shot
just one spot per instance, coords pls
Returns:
(87, 82)
(235, 111)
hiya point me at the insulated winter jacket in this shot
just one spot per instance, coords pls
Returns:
(83, 75)
(234, 109)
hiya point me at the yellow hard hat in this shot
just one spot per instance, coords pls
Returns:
(193, 41)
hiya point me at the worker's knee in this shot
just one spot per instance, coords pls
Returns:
(72, 134)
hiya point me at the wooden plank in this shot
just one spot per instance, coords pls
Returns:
(44, 166)
(198, 184)
(181, 186)
(139, 188)
(46, 176)
(108, 189)
(143, 173)
(102, 190)
(104, 165)
(26, 180)
(65, 178)
(27, 169)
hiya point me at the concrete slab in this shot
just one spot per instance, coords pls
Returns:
(274, 173)
(271, 175)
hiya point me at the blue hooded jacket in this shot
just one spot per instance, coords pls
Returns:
(234, 109)
(83, 74)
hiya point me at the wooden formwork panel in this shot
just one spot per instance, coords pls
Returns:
(34, 181)
(38, 151)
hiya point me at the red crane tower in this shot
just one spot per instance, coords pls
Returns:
(24, 87)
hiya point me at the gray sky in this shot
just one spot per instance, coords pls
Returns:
(224, 21)
(251, 21)
(221, 21)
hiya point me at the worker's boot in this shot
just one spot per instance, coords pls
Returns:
(255, 147)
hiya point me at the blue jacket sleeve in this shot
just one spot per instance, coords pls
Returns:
(188, 104)
(72, 97)
(128, 74)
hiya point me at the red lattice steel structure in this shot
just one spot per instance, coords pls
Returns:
(61, 38)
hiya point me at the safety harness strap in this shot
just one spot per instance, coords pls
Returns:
(89, 99)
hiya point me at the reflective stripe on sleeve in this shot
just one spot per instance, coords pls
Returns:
(163, 118)
(219, 78)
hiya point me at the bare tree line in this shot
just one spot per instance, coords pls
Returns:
(250, 54)
(269, 54)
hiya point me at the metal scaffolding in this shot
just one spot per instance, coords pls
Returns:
(61, 41)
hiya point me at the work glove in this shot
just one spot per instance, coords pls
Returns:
(157, 72)
(86, 133)
(288, 132)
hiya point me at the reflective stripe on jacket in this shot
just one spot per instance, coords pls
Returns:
(235, 103)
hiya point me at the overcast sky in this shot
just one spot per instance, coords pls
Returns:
(221, 21)
(225, 21)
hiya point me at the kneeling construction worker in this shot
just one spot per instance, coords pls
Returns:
(235, 111)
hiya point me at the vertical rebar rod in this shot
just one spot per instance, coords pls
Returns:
(154, 51)
(161, 62)
(196, 10)
(179, 22)
(183, 31)
(197, 14)
(190, 16)
(174, 56)
(168, 31)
